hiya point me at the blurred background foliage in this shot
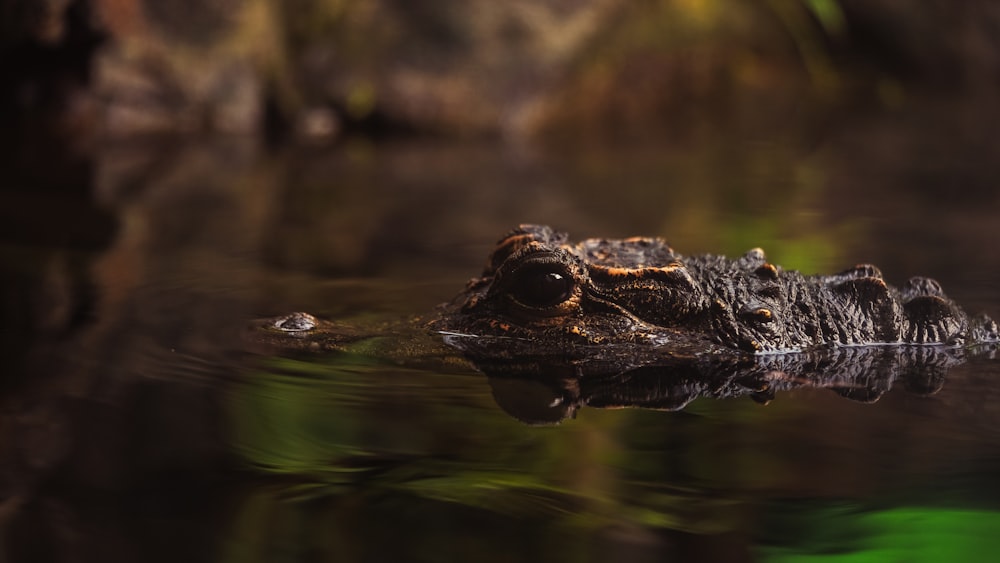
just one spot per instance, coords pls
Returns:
(522, 69)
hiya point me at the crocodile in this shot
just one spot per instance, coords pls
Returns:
(630, 322)
(538, 286)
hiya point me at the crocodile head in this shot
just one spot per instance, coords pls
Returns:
(539, 287)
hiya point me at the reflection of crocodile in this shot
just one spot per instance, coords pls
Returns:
(639, 291)
(544, 389)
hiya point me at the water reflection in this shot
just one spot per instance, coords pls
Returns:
(546, 389)
(356, 445)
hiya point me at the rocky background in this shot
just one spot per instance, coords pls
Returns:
(320, 69)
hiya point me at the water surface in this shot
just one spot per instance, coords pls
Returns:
(139, 425)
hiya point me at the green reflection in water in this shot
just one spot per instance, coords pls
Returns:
(367, 460)
(911, 534)
(353, 423)
(351, 427)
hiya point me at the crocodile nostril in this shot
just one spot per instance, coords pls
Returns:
(296, 322)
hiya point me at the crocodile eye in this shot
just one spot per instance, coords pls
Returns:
(541, 286)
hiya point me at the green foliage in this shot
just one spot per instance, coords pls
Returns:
(829, 14)
(810, 254)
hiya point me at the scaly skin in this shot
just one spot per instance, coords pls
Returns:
(540, 287)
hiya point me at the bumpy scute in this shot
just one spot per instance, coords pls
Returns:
(639, 290)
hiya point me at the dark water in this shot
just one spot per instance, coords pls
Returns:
(138, 425)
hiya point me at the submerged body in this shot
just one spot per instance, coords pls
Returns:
(539, 286)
